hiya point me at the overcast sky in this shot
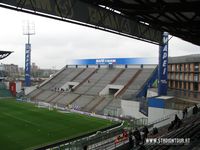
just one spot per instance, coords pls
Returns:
(57, 42)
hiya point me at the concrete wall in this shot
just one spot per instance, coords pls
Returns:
(18, 86)
(131, 108)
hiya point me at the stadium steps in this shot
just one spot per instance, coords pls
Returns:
(115, 103)
(129, 83)
(44, 95)
(117, 76)
(142, 79)
(78, 74)
(47, 96)
(53, 96)
(40, 91)
(65, 76)
(82, 101)
(33, 93)
(111, 99)
(74, 100)
(91, 107)
(82, 76)
(51, 84)
(103, 82)
(56, 99)
(56, 74)
(86, 79)
(92, 103)
(125, 76)
(74, 73)
(99, 109)
(88, 103)
(151, 76)
(92, 82)
(54, 83)
(67, 99)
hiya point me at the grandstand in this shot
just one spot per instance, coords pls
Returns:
(103, 90)
(92, 89)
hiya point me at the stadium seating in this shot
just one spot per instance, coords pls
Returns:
(138, 82)
(85, 95)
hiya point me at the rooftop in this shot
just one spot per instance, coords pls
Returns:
(185, 59)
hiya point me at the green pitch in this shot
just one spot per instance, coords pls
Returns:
(24, 126)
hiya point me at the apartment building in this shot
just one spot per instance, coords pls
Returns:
(184, 74)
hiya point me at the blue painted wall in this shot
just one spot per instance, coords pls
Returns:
(156, 102)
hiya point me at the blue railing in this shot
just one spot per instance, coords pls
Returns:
(148, 83)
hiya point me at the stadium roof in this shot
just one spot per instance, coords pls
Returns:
(4, 54)
(180, 18)
(140, 19)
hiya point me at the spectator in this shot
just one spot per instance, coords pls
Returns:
(125, 135)
(137, 136)
(185, 112)
(177, 122)
(171, 126)
(117, 140)
(176, 119)
(85, 147)
(130, 140)
(195, 109)
(145, 133)
(155, 131)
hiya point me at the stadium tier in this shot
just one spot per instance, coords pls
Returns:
(98, 90)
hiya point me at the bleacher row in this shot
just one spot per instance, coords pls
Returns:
(90, 82)
(189, 129)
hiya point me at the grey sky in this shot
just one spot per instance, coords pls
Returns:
(57, 42)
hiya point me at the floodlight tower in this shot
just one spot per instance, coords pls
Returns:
(28, 29)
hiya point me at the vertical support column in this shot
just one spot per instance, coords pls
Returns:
(163, 65)
(28, 65)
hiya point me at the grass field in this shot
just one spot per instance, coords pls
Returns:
(24, 126)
